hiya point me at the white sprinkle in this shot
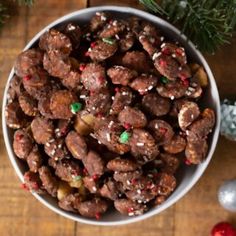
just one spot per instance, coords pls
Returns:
(141, 37)
(99, 142)
(192, 116)
(90, 49)
(139, 201)
(162, 39)
(108, 137)
(180, 68)
(98, 13)
(173, 55)
(51, 140)
(187, 132)
(191, 89)
(150, 175)
(82, 96)
(93, 108)
(128, 182)
(140, 144)
(56, 158)
(194, 84)
(59, 145)
(47, 144)
(172, 97)
(110, 124)
(163, 45)
(117, 36)
(103, 18)
(188, 93)
(145, 159)
(53, 152)
(156, 126)
(139, 191)
(114, 23)
(150, 87)
(92, 135)
(152, 40)
(156, 55)
(71, 27)
(130, 214)
(57, 130)
(124, 93)
(112, 98)
(94, 188)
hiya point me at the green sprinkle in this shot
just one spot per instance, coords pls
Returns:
(75, 107)
(77, 178)
(164, 80)
(124, 137)
(108, 40)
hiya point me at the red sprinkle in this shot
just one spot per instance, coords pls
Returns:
(185, 82)
(117, 89)
(99, 115)
(162, 130)
(95, 177)
(133, 181)
(91, 93)
(130, 209)
(24, 186)
(179, 51)
(27, 77)
(166, 51)
(82, 67)
(85, 172)
(35, 186)
(27, 176)
(93, 44)
(19, 137)
(111, 21)
(101, 79)
(187, 162)
(127, 126)
(87, 54)
(97, 215)
(162, 63)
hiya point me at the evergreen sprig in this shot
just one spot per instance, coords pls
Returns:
(207, 23)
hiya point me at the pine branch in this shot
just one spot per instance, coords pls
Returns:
(3, 14)
(26, 2)
(207, 23)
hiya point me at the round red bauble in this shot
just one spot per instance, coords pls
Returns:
(223, 229)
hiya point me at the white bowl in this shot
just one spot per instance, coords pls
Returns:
(188, 177)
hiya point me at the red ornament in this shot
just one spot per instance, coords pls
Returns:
(223, 229)
(27, 77)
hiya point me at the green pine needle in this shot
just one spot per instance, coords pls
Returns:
(207, 23)
(3, 14)
(26, 2)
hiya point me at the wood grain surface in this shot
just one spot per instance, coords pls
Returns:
(194, 215)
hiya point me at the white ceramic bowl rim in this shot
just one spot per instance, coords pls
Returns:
(198, 173)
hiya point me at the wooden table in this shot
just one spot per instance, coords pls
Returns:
(193, 215)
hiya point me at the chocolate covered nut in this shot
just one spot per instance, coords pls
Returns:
(144, 83)
(15, 88)
(128, 207)
(76, 145)
(44, 106)
(200, 128)
(143, 146)
(140, 196)
(122, 165)
(32, 182)
(171, 89)
(170, 163)
(176, 52)
(49, 182)
(176, 106)
(68, 170)
(34, 159)
(102, 50)
(167, 66)
(123, 97)
(99, 102)
(133, 117)
(72, 81)
(109, 190)
(60, 104)
(113, 28)
(93, 77)
(28, 104)
(196, 152)
(176, 145)
(93, 208)
(108, 133)
(121, 75)
(15, 117)
(73, 31)
(56, 149)
(26, 60)
(126, 178)
(91, 184)
(55, 40)
(42, 130)
(22, 144)
(37, 84)
(155, 104)
(187, 114)
(137, 61)
(161, 131)
(200, 76)
(166, 184)
(70, 202)
(149, 38)
(93, 163)
(98, 21)
(126, 41)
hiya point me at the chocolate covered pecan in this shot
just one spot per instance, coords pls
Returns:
(28, 104)
(175, 145)
(34, 159)
(122, 165)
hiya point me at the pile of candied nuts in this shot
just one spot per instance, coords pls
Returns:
(103, 115)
